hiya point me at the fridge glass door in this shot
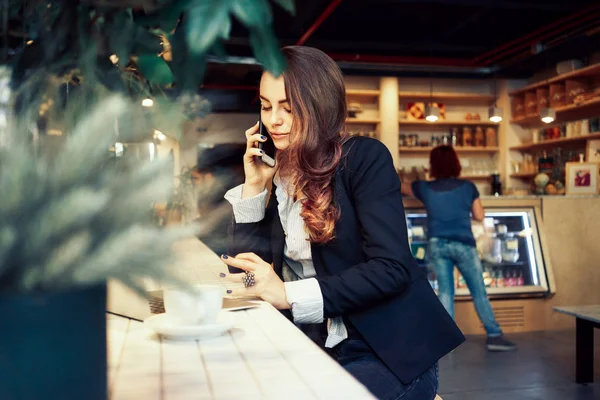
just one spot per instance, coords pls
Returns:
(508, 245)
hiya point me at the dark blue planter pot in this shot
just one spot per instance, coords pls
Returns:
(53, 346)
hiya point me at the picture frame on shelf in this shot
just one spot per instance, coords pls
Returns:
(582, 177)
(592, 153)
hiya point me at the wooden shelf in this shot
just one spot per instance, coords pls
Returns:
(554, 142)
(470, 97)
(524, 175)
(366, 121)
(583, 110)
(457, 148)
(591, 70)
(570, 112)
(527, 120)
(445, 123)
(362, 93)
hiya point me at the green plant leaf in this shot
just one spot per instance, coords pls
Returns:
(187, 67)
(146, 42)
(122, 36)
(166, 17)
(8, 238)
(59, 40)
(252, 13)
(29, 58)
(218, 49)
(110, 76)
(155, 69)
(58, 222)
(225, 29)
(287, 5)
(73, 248)
(266, 49)
(206, 21)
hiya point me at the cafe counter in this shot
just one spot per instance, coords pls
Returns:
(557, 241)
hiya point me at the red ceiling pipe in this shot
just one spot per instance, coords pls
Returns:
(485, 59)
(532, 37)
(324, 15)
(376, 58)
(540, 39)
(482, 60)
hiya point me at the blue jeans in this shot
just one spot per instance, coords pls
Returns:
(443, 255)
(359, 360)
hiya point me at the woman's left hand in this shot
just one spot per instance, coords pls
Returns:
(267, 285)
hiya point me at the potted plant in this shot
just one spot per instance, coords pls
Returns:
(72, 220)
(70, 223)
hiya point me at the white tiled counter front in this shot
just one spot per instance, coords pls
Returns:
(264, 357)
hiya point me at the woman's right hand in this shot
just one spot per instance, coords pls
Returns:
(257, 172)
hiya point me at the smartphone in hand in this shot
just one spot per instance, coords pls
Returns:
(267, 146)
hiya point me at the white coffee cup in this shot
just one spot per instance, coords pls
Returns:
(199, 306)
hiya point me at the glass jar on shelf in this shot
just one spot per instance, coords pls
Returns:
(491, 140)
(467, 137)
(402, 140)
(510, 248)
(412, 140)
(479, 137)
(454, 137)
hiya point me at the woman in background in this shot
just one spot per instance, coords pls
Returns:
(450, 202)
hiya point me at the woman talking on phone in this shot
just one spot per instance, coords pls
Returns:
(323, 234)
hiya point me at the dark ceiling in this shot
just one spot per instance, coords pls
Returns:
(466, 38)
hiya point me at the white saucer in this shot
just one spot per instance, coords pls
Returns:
(165, 326)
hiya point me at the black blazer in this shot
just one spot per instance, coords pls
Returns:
(367, 274)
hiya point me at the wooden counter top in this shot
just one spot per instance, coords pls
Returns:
(264, 357)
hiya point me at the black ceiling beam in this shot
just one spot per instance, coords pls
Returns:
(465, 22)
(306, 14)
(364, 46)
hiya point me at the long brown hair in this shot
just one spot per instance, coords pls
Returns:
(315, 88)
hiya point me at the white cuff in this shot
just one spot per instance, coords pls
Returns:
(336, 332)
(306, 300)
(245, 211)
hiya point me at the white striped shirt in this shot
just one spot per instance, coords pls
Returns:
(304, 295)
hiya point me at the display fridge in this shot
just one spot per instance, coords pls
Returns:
(509, 244)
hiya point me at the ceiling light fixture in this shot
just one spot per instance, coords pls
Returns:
(432, 112)
(548, 115)
(495, 114)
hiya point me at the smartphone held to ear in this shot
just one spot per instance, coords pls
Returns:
(267, 146)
